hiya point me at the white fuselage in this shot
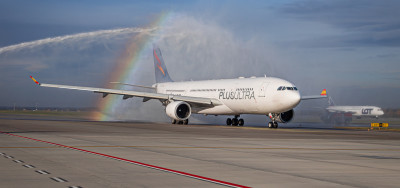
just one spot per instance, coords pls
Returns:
(238, 96)
(358, 111)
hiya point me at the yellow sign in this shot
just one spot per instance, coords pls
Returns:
(379, 124)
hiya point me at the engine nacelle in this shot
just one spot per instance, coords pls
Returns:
(178, 110)
(287, 116)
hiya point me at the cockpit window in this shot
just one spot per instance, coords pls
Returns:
(282, 88)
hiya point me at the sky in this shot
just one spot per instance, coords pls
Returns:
(351, 48)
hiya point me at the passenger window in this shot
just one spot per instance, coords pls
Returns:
(283, 88)
(295, 88)
(289, 88)
(279, 88)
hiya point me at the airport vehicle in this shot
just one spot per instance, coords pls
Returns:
(269, 96)
(345, 114)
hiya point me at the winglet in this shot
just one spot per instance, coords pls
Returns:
(35, 80)
(323, 93)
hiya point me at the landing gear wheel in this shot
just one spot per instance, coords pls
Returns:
(235, 122)
(275, 124)
(228, 121)
(173, 121)
(180, 122)
(186, 121)
(241, 122)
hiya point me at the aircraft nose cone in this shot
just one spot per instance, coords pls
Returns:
(294, 99)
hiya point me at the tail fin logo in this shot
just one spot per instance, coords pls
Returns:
(158, 63)
(323, 93)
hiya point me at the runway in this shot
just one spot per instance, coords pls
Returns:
(65, 153)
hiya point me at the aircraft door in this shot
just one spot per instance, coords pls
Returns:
(263, 89)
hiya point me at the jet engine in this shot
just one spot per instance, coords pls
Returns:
(178, 110)
(285, 117)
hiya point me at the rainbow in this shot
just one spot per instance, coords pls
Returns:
(126, 65)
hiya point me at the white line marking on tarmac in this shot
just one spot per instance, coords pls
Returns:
(58, 179)
(29, 166)
(9, 157)
(18, 161)
(42, 172)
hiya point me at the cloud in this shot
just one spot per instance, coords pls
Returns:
(80, 59)
(28, 64)
(364, 23)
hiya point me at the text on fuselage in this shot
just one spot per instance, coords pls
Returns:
(366, 110)
(236, 95)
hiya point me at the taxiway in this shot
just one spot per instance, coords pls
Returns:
(73, 153)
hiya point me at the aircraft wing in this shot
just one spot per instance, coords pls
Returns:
(322, 95)
(145, 95)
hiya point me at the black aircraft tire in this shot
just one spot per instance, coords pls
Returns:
(229, 121)
(235, 122)
(241, 122)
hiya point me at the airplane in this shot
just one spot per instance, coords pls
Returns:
(269, 96)
(345, 114)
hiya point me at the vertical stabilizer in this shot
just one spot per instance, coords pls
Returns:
(330, 100)
(161, 72)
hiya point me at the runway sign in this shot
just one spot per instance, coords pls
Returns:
(379, 125)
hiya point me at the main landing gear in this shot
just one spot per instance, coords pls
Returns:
(184, 122)
(235, 121)
(273, 123)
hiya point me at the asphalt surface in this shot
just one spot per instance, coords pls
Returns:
(36, 152)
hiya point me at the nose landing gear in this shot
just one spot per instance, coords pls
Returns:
(235, 121)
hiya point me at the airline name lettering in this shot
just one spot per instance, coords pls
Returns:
(366, 110)
(235, 95)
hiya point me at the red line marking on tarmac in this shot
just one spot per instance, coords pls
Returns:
(224, 183)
